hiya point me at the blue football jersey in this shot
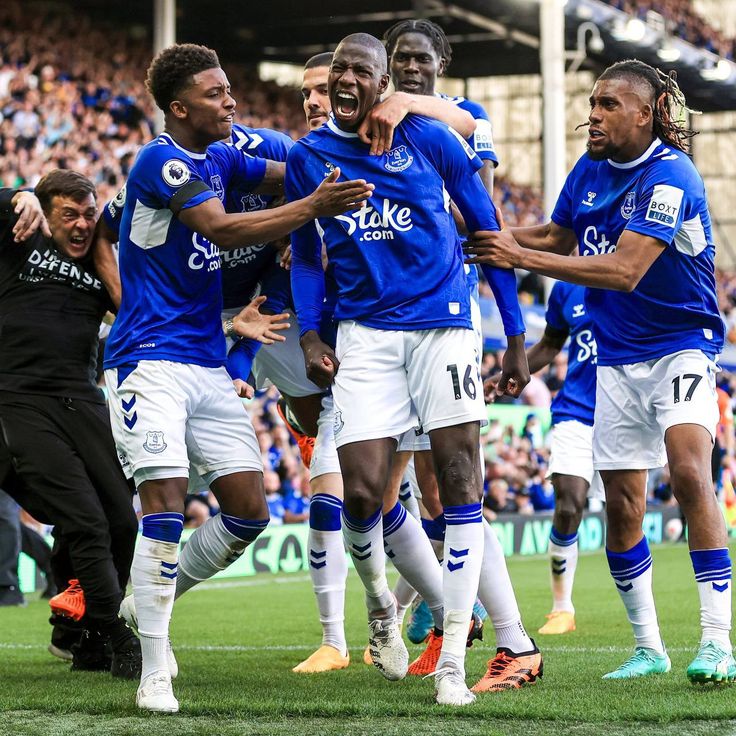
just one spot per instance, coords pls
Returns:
(674, 306)
(566, 313)
(244, 269)
(481, 141)
(398, 262)
(172, 287)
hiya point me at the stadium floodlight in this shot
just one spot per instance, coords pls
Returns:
(668, 53)
(719, 72)
(635, 30)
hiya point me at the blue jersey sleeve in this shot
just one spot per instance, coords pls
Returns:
(555, 315)
(245, 171)
(664, 196)
(167, 179)
(562, 213)
(481, 141)
(458, 164)
(112, 212)
(307, 275)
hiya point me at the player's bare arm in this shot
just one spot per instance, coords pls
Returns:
(621, 270)
(237, 230)
(30, 216)
(378, 126)
(105, 262)
(549, 237)
(273, 179)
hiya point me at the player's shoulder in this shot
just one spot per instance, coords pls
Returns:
(163, 157)
(562, 291)
(672, 166)
(262, 142)
(474, 108)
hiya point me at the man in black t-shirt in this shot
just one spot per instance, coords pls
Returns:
(52, 415)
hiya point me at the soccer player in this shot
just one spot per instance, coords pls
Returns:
(636, 206)
(171, 399)
(328, 567)
(405, 337)
(571, 458)
(419, 53)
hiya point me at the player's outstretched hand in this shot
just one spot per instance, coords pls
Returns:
(378, 127)
(333, 197)
(243, 389)
(494, 248)
(319, 359)
(514, 368)
(489, 388)
(250, 322)
(30, 217)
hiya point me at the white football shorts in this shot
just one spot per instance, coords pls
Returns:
(636, 404)
(392, 380)
(324, 456)
(166, 415)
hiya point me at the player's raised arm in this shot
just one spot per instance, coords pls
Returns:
(237, 230)
(378, 127)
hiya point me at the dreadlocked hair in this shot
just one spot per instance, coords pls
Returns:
(669, 107)
(431, 30)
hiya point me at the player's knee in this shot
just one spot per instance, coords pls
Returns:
(691, 482)
(567, 514)
(458, 480)
(361, 500)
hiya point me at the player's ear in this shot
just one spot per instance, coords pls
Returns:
(442, 68)
(383, 83)
(178, 109)
(646, 116)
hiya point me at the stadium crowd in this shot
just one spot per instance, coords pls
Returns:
(684, 22)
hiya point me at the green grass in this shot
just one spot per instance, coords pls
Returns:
(237, 640)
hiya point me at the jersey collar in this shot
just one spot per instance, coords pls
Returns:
(631, 164)
(191, 154)
(332, 125)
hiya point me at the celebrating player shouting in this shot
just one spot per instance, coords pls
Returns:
(405, 337)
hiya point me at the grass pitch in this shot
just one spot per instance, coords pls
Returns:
(236, 642)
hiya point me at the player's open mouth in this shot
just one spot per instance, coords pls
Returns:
(410, 85)
(595, 134)
(228, 119)
(78, 240)
(346, 104)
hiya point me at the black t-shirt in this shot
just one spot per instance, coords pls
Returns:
(50, 311)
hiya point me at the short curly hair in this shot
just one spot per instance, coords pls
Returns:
(172, 70)
(431, 30)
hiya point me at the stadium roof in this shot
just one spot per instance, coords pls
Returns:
(489, 37)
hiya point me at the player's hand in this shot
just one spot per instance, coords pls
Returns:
(30, 217)
(498, 249)
(252, 323)
(514, 368)
(285, 258)
(378, 127)
(489, 388)
(319, 359)
(243, 389)
(333, 197)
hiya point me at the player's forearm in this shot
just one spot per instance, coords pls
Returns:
(250, 228)
(542, 238)
(503, 285)
(106, 264)
(541, 355)
(608, 271)
(442, 110)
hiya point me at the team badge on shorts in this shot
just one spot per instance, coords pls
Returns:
(154, 442)
(398, 159)
(175, 173)
(338, 424)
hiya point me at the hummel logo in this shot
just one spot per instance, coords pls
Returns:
(589, 200)
(625, 588)
(720, 588)
(578, 310)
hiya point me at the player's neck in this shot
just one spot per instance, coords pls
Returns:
(187, 139)
(633, 152)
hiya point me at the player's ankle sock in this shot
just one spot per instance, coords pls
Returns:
(435, 529)
(405, 596)
(364, 540)
(328, 567)
(713, 574)
(497, 596)
(632, 572)
(409, 549)
(153, 574)
(461, 572)
(407, 498)
(214, 546)
(563, 558)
